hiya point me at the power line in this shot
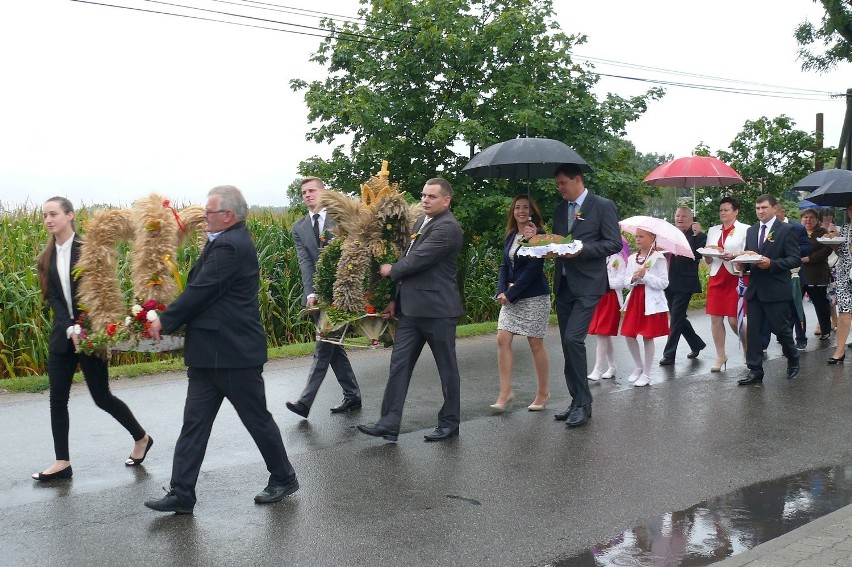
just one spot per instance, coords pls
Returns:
(696, 75)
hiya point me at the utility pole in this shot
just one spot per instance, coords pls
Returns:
(845, 145)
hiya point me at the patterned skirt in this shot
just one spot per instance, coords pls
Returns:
(528, 317)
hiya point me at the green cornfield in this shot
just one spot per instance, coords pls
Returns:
(25, 319)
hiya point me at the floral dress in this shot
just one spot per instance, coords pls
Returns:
(844, 266)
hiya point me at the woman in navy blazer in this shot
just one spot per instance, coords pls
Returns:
(58, 289)
(524, 294)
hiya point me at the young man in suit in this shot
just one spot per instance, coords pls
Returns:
(580, 279)
(428, 304)
(310, 234)
(768, 293)
(224, 350)
(683, 282)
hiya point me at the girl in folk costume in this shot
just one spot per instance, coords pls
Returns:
(608, 314)
(645, 309)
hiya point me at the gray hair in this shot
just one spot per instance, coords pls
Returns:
(230, 198)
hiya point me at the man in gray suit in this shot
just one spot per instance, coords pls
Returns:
(310, 234)
(580, 280)
(428, 304)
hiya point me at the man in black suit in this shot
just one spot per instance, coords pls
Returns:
(225, 349)
(310, 234)
(580, 279)
(683, 282)
(428, 304)
(768, 293)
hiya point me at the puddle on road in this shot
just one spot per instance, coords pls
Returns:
(724, 526)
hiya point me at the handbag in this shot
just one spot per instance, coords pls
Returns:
(832, 259)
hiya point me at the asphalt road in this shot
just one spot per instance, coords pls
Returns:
(514, 489)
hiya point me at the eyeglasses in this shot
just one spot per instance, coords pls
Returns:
(214, 212)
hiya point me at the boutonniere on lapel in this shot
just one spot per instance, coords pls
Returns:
(616, 263)
(578, 215)
(325, 237)
(648, 263)
(770, 236)
(415, 235)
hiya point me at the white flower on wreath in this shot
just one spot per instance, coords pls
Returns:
(136, 309)
(152, 315)
(128, 321)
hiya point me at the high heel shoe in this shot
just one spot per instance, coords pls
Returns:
(610, 373)
(595, 375)
(643, 380)
(833, 360)
(131, 462)
(538, 407)
(501, 407)
(634, 375)
(58, 475)
(719, 365)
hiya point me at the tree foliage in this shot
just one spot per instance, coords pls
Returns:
(822, 48)
(427, 84)
(771, 156)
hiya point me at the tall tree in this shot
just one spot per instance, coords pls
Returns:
(771, 156)
(426, 84)
(822, 48)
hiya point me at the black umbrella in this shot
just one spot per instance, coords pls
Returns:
(523, 158)
(831, 187)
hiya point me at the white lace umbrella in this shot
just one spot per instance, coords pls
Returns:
(669, 237)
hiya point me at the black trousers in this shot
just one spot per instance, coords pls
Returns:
(574, 314)
(60, 373)
(775, 315)
(244, 388)
(819, 297)
(680, 325)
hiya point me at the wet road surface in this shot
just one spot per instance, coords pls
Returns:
(513, 489)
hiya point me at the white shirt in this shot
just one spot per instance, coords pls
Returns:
(63, 266)
(320, 220)
(768, 224)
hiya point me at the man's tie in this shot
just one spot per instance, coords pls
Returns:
(316, 228)
(572, 210)
(762, 238)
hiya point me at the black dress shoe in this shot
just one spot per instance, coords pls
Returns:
(753, 377)
(348, 404)
(64, 474)
(695, 353)
(277, 492)
(376, 430)
(792, 368)
(170, 503)
(564, 415)
(299, 409)
(667, 362)
(579, 416)
(441, 434)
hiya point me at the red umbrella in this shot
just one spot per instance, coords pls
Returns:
(692, 172)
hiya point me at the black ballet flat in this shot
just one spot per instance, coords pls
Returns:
(64, 474)
(131, 462)
(833, 360)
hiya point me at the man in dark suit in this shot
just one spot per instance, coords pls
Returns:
(580, 279)
(310, 234)
(428, 304)
(683, 282)
(768, 293)
(225, 349)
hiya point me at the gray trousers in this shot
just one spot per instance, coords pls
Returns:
(325, 355)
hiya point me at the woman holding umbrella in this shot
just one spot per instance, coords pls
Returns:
(524, 296)
(646, 308)
(722, 295)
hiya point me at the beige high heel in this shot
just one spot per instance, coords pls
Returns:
(719, 365)
(538, 407)
(501, 407)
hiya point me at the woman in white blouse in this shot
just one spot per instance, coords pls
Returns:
(722, 295)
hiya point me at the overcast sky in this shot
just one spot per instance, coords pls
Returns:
(106, 105)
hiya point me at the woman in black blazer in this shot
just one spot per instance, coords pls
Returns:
(58, 288)
(524, 294)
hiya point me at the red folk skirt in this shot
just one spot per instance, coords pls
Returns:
(722, 294)
(637, 323)
(607, 316)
